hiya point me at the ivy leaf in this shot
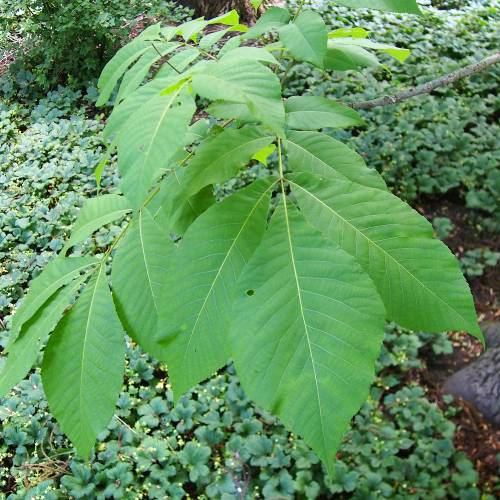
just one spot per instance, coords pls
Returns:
(403, 6)
(138, 274)
(306, 38)
(324, 156)
(416, 275)
(83, 365)
(95, 213)
(253, 84)
(59, 272)
(160, 130)
(24, 351)
(315, 112)
(305, 342)
(196, 304)
(272, 19)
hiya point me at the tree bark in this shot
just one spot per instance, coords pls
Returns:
(212, 8)
(428, 87)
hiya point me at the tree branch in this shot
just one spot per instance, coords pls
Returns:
(425, 88)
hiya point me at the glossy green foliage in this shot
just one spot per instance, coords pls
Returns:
(291, 276)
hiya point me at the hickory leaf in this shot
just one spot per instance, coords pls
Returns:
(83, 365)
(196, 303)
(136, 74)
(58, 273)
(321, 155)
(217, 160)
(315, 112)
(406, 6)
(161, 128)
(139, 271)
(126, 56)
(306, 38)
(253, 84)
(272, 19)
(290, 275)
(395, 245)
(349, 57)
(95, 213)
(24, 352)
(399, 54)
(305, 342)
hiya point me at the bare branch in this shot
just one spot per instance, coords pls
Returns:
(425, 88)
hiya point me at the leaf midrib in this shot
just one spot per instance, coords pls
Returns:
(306, 328)
(85, 338)
(158, 125)
(141, 239)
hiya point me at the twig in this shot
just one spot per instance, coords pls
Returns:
(428, 87)
(299, 8)
(166, 60)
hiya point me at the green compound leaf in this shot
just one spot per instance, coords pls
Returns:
(321, 155)
(56, 274)
(253, 84)
(403, 6)
(196, 304)
(95, 213)
(138, 274)
(314, 113)
(83, 365)
(160, 130)
(307, 330)
(416, 275)
(23, 353)
(306, 38)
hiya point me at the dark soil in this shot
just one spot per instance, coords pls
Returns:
(466, 236)
(479, 439)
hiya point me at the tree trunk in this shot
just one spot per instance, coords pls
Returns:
(212, 8)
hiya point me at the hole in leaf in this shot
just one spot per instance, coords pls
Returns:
(250, 292)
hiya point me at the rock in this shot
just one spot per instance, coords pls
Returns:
(479, 384)
(492, 334)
